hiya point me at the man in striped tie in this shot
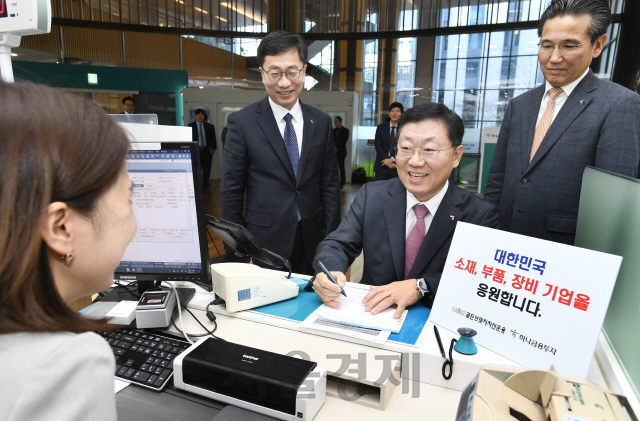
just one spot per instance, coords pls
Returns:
(404, 226)
(551, 133)
(280, 153)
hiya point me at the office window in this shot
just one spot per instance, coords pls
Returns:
(406, 71)
(477, 74)
(369, 83)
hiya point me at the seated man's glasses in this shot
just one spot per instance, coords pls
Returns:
(430, 155)
(276, 75)
(565, 49)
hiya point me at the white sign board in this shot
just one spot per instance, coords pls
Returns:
(533, 301)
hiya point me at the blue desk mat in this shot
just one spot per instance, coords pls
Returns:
(300, 307)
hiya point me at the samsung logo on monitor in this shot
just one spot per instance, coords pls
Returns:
(250, 357)
(127, 277)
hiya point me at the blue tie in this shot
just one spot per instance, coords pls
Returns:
(202, 141)
(291, 143)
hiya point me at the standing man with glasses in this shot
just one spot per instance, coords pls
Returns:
(385, 141)
(404, 226)
(551, 133)
(281, 154)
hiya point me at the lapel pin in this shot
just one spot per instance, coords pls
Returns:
(581, 101)
(452, 217)
(311, 121)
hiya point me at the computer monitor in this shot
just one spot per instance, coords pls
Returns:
(171, 241)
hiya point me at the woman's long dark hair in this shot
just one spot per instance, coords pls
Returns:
(54, 147)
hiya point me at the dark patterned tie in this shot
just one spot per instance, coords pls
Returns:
(393, 141)
(416, 237)
(291, 144)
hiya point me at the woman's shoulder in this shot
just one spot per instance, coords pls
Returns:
(60, 365)
(47, 342)
(25, 352)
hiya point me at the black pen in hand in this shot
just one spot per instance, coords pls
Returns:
(329, 275)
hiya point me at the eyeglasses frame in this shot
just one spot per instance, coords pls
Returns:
(282, 73)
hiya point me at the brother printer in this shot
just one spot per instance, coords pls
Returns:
(276, 385)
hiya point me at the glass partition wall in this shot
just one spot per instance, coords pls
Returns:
(472, 55)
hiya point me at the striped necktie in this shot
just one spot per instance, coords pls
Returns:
(291, 144)
(545, 122)
(416, 237)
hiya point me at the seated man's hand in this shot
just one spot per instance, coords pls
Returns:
(402, 293)
(327, 291)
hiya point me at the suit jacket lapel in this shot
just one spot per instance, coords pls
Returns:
(573, 106)
(267, 122)
(441, 228)
(529, 127)
(386, 136)
(394, 217)
(308, 137)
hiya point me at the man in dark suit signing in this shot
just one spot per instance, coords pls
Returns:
(281, 154)
(205, 134)
(340, 136)
(385, 142)
(551, 133)
(404, 226)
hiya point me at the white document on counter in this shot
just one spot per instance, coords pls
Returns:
(315, 322)
(352, 311)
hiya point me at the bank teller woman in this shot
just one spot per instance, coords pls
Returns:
(65, 221)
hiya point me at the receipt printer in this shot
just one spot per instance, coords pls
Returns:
(243, 286)
(275, 385)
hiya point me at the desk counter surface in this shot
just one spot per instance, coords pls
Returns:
(341, 359)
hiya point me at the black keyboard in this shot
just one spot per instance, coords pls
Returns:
(143, 358)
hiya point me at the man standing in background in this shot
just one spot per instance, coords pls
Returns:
(341, 136)
(551, 133)
(128, 104)
(205, 134)
(281, 154)
(385, 140)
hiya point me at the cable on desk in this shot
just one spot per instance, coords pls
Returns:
(180, 312)
(128, 287)
(212, 242)
(194, 335)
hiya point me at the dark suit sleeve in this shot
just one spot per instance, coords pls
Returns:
(212, 140)
(342, 246)
(234, 173)
(330, 183)
(194, 132)
(495, 182)
(619, 141)
(380, 152)
(343, 137)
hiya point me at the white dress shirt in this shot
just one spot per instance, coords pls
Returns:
(297, 121)
(432, 204)
(560, 99)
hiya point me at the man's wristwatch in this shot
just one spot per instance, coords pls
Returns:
(421, 286)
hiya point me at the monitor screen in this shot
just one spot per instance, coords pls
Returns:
(170, 243)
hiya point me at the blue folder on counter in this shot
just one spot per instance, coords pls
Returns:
(301, 307)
